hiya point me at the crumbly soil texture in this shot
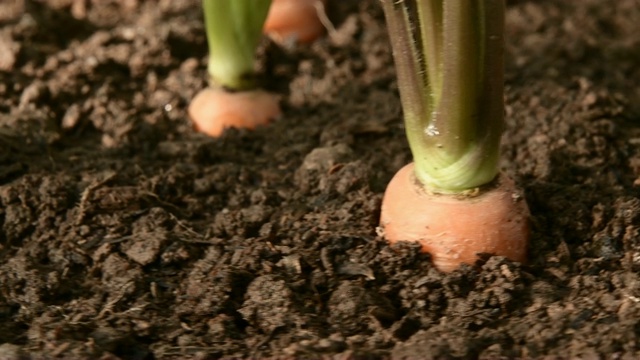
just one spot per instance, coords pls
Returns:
(127, 235)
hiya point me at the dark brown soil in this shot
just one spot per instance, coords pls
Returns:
(127, 235)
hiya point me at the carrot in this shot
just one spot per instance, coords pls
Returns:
(295, 20)
(213, 110)
(452, 199)
(234, 28)
(455, 229)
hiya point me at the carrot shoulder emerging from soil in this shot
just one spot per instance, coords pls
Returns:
(455, 229)
(213, 110)
(452, 199)
(295, 20)
(233, 100)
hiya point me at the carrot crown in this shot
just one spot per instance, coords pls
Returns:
(234, 28)
(449, 61)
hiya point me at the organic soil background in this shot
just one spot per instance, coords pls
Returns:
(125, 234)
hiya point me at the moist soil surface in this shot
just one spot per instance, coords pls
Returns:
(126, 234)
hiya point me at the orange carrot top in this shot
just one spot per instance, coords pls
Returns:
(449, 63)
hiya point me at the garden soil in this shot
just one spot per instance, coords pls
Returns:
(127, 235)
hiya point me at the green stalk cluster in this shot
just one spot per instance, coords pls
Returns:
(449, 61)
(234, 29)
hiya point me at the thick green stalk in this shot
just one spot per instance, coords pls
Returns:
(415, 92)
(234, 28)
(454, 49)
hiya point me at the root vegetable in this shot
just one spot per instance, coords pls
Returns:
(234, 28)
(449, 63)
(455, 229)
(213, 110)
(294, 20)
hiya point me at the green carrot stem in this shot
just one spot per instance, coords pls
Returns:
(448, 56)
(234, 28)
(430, 17)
